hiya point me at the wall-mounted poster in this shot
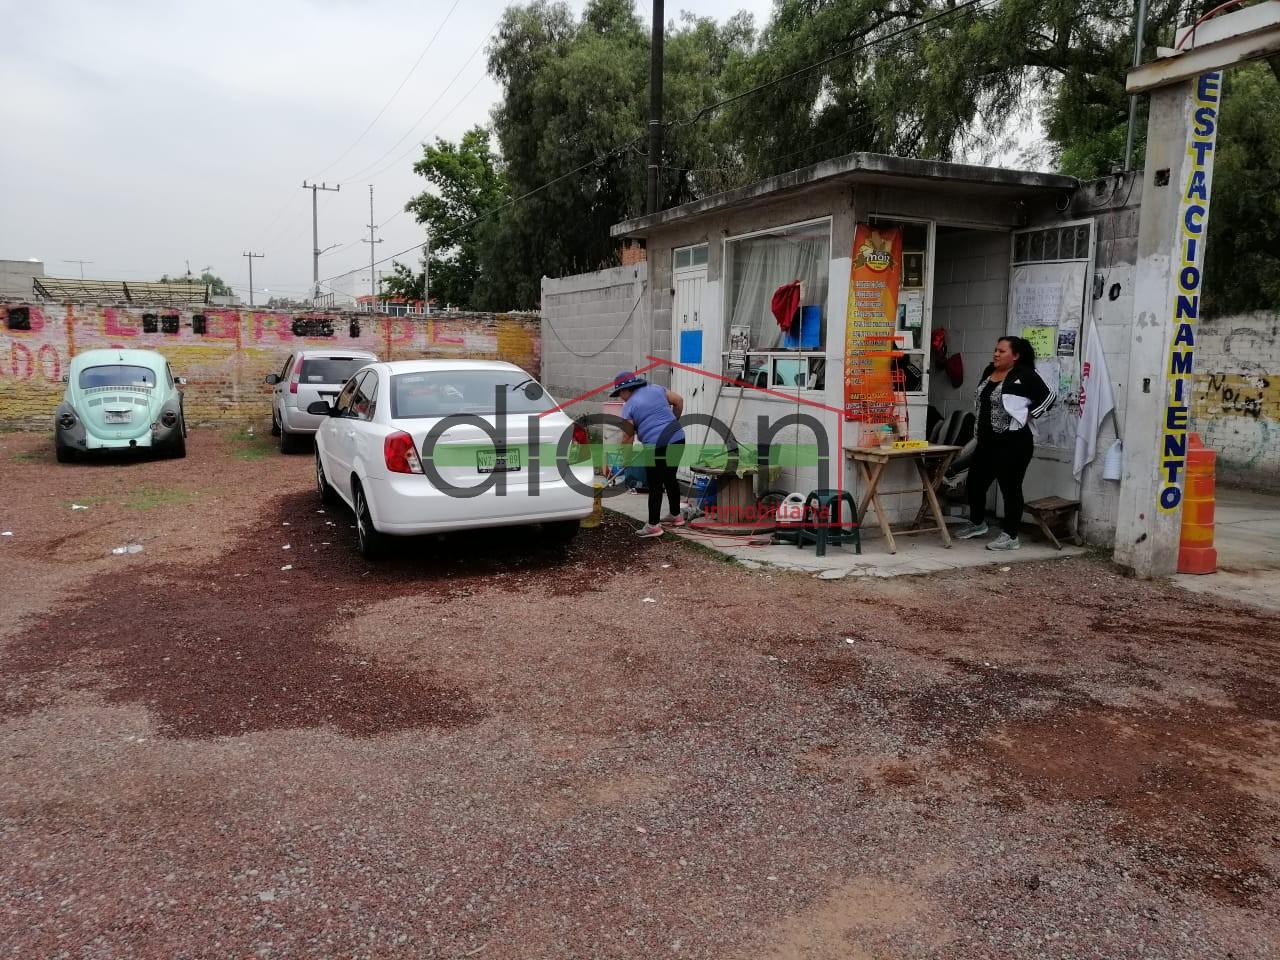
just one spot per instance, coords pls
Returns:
(739, 343)
(1042, 340)
(871, 318)
(1066, 343)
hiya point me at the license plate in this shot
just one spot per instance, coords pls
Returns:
(118, 416)
(491, 461)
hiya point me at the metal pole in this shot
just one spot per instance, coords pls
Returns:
(1139, 30)
(373, 278)
(655, 106)
(82, 263)
(315, 232)
(426, 274)
(252, 256)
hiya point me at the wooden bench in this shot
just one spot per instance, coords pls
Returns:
(1052, 511)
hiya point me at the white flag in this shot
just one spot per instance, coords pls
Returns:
(1096, 401)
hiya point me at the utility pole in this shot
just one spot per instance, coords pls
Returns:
(655, 105)
(1138, 31)
(426, 274)
(82, 263)
(252, 256)
(315, 231)
(373, 279)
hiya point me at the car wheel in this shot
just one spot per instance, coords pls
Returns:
(275, 425)
(178, 448)
(373, 545)
(289, 442)
(562, 532)
(63, 453)
(327, 495)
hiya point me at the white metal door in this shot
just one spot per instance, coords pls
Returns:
(691, 347)
(1048, 292)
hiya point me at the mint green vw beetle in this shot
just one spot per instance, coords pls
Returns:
(120, 400)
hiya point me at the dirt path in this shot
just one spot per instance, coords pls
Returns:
(488, 748)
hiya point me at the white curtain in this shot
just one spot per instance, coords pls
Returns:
(760, 265)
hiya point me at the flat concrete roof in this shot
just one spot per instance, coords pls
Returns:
(861, 168)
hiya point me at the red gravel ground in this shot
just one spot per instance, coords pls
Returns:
(486, 747)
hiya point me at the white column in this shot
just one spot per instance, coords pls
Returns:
(1181, 137)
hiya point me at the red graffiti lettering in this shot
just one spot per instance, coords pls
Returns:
(260, 323)
(118, 323)
(222, 325)
(21, 363)
(50, 363)
(399, 331)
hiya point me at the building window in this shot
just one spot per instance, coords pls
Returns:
(1052, 244)
(687, 257)
(756, 266)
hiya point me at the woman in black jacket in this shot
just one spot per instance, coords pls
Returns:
(1009, 396)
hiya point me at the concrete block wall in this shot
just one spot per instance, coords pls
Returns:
(595, 325)
(1236, 397)
(970, 302)
(1114, 206)
(225, 366)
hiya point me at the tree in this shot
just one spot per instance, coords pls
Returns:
(571, 127)
(1242, 257)
(468, 185)
(216, 285)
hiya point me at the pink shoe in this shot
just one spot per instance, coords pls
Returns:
(650, 530)
(675, 520)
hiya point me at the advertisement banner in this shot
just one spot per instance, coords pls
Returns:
(871, 321)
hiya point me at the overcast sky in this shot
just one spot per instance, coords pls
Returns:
(142, 134)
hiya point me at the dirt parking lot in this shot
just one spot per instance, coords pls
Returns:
(244, 741)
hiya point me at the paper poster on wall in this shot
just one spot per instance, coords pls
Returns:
(739, 340)
(913, 315)
(1042, 339)
(1037, 303)
(871, 319)
(1067, 343)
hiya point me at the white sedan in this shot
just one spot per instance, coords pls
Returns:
(430, 446)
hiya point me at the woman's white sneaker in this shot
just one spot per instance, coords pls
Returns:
(971, 530)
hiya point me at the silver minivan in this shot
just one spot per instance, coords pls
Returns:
(308, 376)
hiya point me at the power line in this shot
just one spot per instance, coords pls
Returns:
(417, 63)
(502, 206)
(363, 170)
(702, 112)
(419, 145)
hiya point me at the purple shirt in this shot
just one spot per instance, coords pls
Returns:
(649, 410)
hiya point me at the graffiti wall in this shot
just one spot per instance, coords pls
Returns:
(225, 353)
(1236, 406)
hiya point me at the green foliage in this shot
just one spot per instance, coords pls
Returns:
(576, 90)
(1242, 258)
(216, 285)
(467, 183)
(571, 125)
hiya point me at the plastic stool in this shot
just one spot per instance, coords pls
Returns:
(824, 521)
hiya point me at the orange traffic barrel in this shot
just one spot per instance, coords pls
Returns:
(1196, 553)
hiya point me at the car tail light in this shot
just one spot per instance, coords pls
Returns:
(295, 376)
(169, 418)
(67, 421)
(400, 454)
(579, 449)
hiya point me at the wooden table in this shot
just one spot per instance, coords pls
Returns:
(931, 462)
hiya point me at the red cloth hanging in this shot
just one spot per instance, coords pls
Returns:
(786, 302)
